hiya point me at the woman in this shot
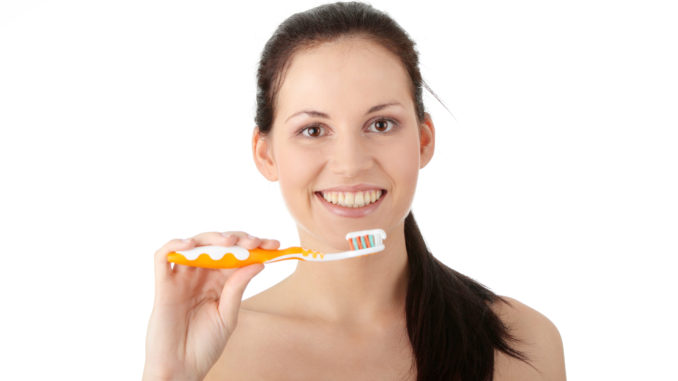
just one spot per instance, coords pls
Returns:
(340, 110)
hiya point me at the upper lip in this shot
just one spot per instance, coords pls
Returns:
(352, 188)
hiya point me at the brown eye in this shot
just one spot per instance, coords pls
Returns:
(312, 131)
(383, 125)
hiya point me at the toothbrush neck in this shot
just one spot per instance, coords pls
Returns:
(357, 288)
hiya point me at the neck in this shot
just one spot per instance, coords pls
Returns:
(357, 290)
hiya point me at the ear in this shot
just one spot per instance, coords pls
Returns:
(427, 140)
(263, 156)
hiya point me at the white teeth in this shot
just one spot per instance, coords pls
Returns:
(359, 199)
(352, 199)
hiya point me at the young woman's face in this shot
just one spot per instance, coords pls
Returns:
(344, 133)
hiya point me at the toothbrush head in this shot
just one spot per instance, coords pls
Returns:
(365, 239)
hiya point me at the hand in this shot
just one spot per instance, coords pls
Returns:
(195, 309)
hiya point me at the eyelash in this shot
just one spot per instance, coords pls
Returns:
(394, 125)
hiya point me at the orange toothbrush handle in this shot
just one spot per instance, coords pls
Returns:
(229, 260)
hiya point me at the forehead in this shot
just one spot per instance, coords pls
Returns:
(350, 74)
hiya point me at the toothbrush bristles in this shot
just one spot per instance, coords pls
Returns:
(365, 239)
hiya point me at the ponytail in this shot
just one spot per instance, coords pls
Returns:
(452, 329)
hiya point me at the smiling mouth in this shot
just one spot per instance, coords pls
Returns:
(353, 199)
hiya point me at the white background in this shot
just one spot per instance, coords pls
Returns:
(127, 123)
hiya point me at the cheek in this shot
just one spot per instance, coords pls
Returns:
(403, 162)
(296, 169)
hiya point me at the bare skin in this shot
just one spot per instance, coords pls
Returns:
(292, 347)
(273, 343)
(340, 320)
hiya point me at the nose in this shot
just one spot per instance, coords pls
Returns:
(350, 156)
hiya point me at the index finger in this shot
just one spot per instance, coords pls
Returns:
(161, 265)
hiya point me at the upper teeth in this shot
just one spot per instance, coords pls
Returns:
(352, 199)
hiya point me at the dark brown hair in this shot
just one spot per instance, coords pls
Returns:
(452, 329)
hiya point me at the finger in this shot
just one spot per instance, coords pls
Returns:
(231, 295)
(230, 239)
(183, 270)
(249, 242)
(215, 238)
(162, 266)
(243, 238)
(237, 234)
(270, 244)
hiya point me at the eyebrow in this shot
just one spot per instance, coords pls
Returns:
(323, 115)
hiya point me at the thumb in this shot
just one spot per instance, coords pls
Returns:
(231, 295)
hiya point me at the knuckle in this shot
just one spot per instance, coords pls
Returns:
(203, 235)
(169, 245)
(239, 234)
(173, 242)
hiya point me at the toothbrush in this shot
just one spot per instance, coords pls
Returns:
(362, 242)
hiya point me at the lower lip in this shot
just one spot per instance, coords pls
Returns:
(351, 212)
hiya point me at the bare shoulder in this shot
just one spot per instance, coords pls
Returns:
(241, 359)
(254, 350)
(538, 338)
